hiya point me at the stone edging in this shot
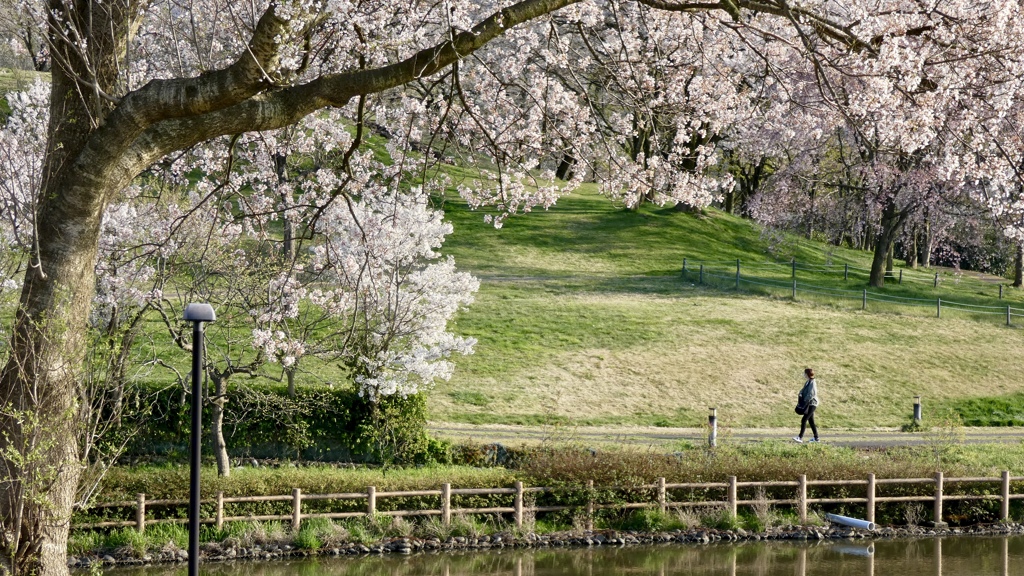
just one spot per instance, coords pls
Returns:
(216, 552)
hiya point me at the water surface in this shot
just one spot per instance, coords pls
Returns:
(959, 556)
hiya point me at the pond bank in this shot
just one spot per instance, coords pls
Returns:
(219, 552)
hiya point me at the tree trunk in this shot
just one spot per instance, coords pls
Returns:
(810, 216)
(290, 374)
(1018, 267)
(912, 251)
(220, 446)
(565, 166)
(924, 247)
(288, 239)
(41, 384)
(892, 219)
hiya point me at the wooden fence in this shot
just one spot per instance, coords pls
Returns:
(730, 490)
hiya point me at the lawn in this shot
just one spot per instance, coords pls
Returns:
(583, 318)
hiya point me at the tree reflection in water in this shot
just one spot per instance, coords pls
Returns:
(960, 556)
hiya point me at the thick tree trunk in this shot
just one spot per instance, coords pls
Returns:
(220, 445)
(41, 384)
(1018, 267)
(892, 219)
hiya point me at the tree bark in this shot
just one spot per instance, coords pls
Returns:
(892, 219)
(1018, 267)
(220, 445)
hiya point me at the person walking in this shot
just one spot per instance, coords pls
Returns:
(809, 398)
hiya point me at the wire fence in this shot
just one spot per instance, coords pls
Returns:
(771, 278)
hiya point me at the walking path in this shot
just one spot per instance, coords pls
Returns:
(670, 438)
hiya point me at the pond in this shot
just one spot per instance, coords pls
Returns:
(954, 556)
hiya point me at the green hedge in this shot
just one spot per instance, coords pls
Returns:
(263, 422)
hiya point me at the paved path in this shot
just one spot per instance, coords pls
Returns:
(673, 437)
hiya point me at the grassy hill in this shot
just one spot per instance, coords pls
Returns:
(583, 318)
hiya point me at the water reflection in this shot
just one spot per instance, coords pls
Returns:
(974, 556)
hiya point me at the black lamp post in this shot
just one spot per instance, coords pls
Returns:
(197, 314)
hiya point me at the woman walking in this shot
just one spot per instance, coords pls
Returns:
(809, 398)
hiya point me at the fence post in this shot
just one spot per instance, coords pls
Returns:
(296, 509)
(1000, 291)
(220, 509)
(794, 290)
(518, 504)
(713, 425)
(871, 498)
(794, 268)
(371, 501)
(140, 513)
(590, 504)
(846, 272)
(801, 497)
(737, 274)
(684, 266)
(938, 500)
(864, 300)
(732, 496)
(900, 281)
(1004, 505)
(1008, 316)
(938, 307)
(446, 503)
(936, 285)
(917, 410)
(661, 495)
(701, 280)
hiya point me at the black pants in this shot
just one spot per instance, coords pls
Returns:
(809, 419)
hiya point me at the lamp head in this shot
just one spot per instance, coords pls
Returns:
(197, 312)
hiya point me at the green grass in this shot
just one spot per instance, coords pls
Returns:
(584, 318)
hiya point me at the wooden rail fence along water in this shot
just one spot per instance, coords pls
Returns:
(660, 492)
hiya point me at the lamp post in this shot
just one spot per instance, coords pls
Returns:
(197, 314)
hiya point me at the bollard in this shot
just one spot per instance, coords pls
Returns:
(917, 410)
(713, 425)
(938, 307)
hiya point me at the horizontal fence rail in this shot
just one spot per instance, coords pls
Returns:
(736, 274)
(660, 499)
